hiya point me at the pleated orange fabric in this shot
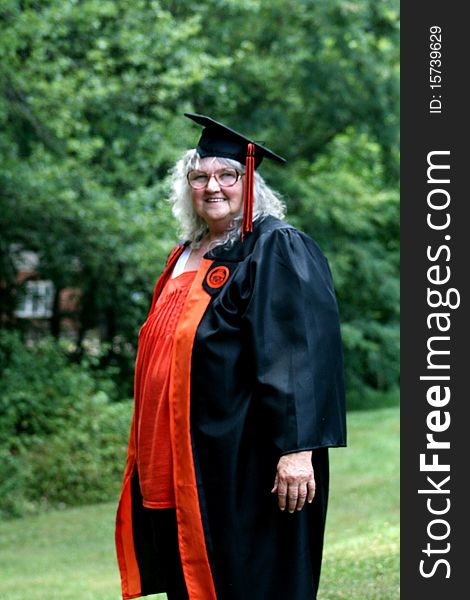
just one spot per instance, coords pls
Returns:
(154, 457)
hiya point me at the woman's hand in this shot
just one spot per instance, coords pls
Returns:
(295, 481)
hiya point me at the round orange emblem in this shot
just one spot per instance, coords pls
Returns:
(217, 277)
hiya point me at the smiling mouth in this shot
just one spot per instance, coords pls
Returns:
(215, 200)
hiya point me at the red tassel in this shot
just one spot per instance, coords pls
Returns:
(248, 200)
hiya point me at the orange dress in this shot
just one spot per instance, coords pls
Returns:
(154, 459)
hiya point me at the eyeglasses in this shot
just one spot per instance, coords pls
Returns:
(224, 177)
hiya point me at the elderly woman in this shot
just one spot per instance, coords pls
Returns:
(238, 395)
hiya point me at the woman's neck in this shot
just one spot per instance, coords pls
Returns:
(215, 237)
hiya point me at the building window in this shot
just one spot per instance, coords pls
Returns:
(36, 301)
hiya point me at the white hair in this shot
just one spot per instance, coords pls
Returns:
(192, 227)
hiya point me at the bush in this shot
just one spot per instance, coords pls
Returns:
(62, 439)
(13, 471)
(84, 463)
(348, 209)
(367, 399)
(40, 391)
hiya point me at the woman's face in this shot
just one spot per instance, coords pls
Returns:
(216, 204)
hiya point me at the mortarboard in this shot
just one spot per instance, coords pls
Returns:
(219, 140)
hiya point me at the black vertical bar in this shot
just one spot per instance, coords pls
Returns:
(434, 260)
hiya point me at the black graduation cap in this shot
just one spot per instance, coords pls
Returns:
(219, 140)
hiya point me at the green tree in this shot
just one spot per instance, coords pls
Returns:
(91, 100)
(91, 104)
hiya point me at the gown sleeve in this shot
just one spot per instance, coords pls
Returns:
(294, 330)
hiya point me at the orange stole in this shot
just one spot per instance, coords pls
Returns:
(192, 545)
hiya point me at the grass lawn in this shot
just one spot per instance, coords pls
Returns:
(361, 552)
(69, 554)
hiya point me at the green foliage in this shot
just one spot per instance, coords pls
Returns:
(13, 471)
(40, 390)
(88, 99)
(62, 440)
(303, 73)
(347, 208)
(91, 101)
(84, 463)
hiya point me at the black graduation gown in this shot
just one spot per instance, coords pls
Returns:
(265, 378)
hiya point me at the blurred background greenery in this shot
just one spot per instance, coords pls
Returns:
(92, 94)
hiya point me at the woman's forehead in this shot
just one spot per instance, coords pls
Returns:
(211, 162)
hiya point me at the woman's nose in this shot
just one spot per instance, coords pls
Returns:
(212, 184)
